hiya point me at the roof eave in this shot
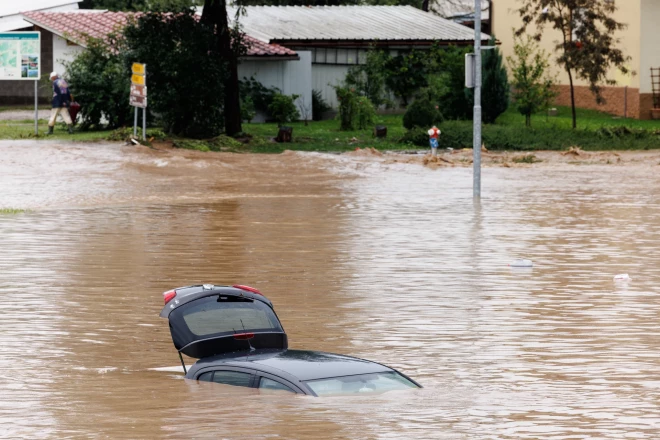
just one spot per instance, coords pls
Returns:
(53, 31)
(376, 43)
(270, 58)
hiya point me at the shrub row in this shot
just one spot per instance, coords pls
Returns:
(458, 135)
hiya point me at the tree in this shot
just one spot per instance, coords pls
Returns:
(228, 47)
(495, 90)
(139, 5)
(588, 46)
(457, 103)
(406, 74)
(189, 102)
(532, 86)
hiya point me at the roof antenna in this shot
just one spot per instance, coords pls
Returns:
(249, 343)
(182, 363)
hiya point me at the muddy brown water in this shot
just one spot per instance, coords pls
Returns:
(368, 257)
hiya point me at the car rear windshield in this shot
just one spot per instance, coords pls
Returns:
(227, 314)
(363, 383)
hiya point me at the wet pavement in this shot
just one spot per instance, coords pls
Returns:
(368, 256)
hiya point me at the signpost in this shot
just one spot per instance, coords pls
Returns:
(20, 60)
(138, 96)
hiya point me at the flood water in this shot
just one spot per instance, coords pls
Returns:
(391, 262)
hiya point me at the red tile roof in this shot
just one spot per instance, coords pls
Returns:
(98, 24)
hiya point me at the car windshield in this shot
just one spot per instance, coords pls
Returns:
(226, 314)
(363, 383)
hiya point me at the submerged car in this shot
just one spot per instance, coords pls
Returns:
(239, 340)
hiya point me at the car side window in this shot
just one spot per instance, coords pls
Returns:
(272, 385)
(206, 377)
(234, 378)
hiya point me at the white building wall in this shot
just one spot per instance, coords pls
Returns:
(63, 52)
(324, 77)
(650, 49)
(292, 77)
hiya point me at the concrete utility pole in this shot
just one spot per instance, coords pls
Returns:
(476, 144)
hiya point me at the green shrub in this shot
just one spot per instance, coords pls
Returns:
(283, 109)
(100, 83)
(355, 111)
(347, 107)
(458, 135)
(365, 113)
(261, 97)
(416, 136)
(319, 105)
(421, 113)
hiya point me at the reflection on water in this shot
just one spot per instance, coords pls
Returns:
(389, 262)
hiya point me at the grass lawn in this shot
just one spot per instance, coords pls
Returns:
(25, 130)
(325, 136)
(596, 131)
(586, 119)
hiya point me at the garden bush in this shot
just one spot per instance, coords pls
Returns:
(355, 112)
(421, 113)
(365, 113)
(256, 95)
(347, 102)
(283, 109)
(100, 83)
(458, 134)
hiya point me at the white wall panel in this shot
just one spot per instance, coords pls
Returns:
(291, 77)
(324, 76)
(63, 52)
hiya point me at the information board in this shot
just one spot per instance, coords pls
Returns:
(20, 55)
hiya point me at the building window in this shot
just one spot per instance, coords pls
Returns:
(337, 56)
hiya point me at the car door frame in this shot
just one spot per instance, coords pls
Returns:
(294, 387)
(251, 371)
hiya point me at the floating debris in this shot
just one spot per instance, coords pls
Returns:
(522, 263)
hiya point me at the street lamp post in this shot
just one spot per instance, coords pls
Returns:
(476, 144)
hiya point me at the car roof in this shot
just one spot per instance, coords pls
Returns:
(303, 364)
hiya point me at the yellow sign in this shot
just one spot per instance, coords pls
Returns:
(139, 69)
(138, 79)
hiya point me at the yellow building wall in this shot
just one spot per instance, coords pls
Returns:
(649, 42)
(642, 18)
(505, 18)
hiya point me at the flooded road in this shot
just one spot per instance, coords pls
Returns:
(370, 257)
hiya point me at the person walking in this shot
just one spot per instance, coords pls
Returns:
(434, 134)
(61, 102)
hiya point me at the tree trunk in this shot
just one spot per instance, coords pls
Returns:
(570, 81)
(215, 15)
